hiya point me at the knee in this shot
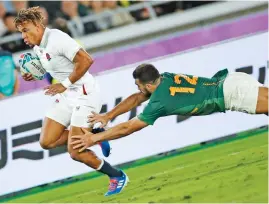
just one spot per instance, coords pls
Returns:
(45, 144)
(74, 154)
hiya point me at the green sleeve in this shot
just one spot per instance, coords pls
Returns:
(152, 112)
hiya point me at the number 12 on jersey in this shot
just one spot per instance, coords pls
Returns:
(177, 79)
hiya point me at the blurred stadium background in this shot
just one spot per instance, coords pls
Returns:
(217, 158)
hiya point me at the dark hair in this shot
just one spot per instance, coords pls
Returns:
(9, 14)
(32, 14)
(146, 73)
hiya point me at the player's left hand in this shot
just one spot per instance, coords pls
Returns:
(83, 141)
(54, 89)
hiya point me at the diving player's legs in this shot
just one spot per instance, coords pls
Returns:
(244, 93)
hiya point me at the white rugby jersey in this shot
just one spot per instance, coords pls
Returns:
(56, 52)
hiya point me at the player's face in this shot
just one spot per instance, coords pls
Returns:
(31, 33)
(142, 87)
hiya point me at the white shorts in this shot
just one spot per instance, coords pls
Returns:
(241, 92)
(73, 107)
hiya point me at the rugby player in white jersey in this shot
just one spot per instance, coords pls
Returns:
(77, 94)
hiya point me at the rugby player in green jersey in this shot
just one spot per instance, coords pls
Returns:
(179, 94)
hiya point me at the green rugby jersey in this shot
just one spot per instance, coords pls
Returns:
(181, 94)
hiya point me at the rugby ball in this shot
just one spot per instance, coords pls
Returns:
(30, 63)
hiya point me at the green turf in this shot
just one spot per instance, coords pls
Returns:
(230, 172)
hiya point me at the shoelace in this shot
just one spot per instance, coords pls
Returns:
(113, 184)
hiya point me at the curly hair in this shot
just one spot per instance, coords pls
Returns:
(32, 14)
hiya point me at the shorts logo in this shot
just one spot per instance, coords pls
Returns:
(78, 107)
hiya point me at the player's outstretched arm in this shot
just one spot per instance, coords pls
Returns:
(82, 142)
(126, 105)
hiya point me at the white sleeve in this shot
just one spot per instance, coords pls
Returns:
(67, 46)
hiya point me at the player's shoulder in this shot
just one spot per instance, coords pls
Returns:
(167, 74)
(56, 34)
(58, 38)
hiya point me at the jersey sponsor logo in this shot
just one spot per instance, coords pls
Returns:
(210, 84)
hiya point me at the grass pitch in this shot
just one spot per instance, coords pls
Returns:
(235, 171)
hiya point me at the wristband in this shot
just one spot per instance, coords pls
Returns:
(66, 83)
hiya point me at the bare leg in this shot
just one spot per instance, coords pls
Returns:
(62, 140)
(87, 157)
(262, 103)
(53, 134)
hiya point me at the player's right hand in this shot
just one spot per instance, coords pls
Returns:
(28, 77)
(98, 118)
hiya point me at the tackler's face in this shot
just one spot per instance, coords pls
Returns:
(31, 33)
(142, 87)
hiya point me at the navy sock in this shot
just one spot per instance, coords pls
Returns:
(97, 130)
(109, 170)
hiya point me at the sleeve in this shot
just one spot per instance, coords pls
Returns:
(67, 46)
(152, 112)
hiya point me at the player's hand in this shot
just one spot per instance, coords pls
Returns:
(82, 142)
(28, 77)
(54, 89)
(98, 118)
